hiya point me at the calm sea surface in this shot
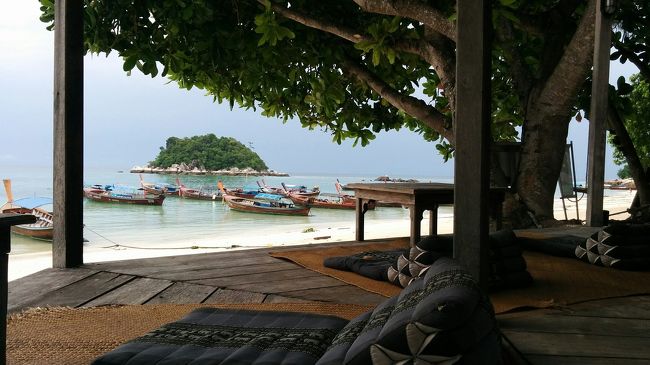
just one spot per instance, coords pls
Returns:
(179, 221)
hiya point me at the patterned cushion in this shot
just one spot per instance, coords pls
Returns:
(439, 317)
(508, 267)
(211, 336)
(620, 246)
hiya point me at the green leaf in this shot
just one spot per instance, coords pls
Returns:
(129, 63)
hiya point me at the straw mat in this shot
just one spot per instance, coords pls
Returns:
(312, 259)
(557, 281)
(76, 336)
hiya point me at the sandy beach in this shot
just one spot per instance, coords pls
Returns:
(27, 263)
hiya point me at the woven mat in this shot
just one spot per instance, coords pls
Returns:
(312, 259)
(558, 281)
(76, 336)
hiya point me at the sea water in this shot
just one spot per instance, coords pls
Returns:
(188, 223)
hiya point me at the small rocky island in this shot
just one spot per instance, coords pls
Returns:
(206, 155)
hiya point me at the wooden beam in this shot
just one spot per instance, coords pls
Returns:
(67, 245)
(598, 120)
(471, 175)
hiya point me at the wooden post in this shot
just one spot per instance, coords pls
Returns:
(359, 220)
(67, 245)
(433, 220)
(6, 221)
(598, 119)
(416, 223)
(472, 131)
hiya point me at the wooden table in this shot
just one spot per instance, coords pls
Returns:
(6, 221)
(418, 197)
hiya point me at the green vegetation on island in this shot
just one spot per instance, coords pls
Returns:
(208, 152)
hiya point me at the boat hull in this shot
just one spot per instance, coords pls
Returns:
(251, 206)
(198, 195)
(105, 197)
(43, 228)
(323, 203)
(42, 233)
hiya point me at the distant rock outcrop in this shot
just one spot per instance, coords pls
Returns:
(184, 170)
(384, 178)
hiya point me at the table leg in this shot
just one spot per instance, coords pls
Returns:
(359, 220)
(433, 220)
(416, 220)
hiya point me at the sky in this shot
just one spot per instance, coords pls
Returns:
(127, 118)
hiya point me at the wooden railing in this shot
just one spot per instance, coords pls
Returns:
(6, 221)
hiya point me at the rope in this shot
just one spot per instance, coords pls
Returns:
(116, 245)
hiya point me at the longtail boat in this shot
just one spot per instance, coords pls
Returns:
(300, 190)
(263, 203)
(336, 203)
(159, 188)
(43, 228)
(109, 194)
(197, 194)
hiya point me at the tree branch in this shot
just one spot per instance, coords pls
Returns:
(626, 146)
(569, 74)
(413, 9)
(410, 105)
(442, 62)
(344, 32)
(644, 68)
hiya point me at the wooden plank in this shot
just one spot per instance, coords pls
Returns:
(565, 360)
(27, 289)
(81, 291)
(273, 298)
(598, 119)
(273, 286)
(288, 276)
(472, 132)
(183, 293)
(180, 264)
(337, 294)
(11, 219)
(235, 296)
(561, 344)
(136, 291)
(633, 307)
(202, 273)
(558, 323)
(67, 243)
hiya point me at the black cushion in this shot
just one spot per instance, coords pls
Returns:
(210, 336)
(440, 316)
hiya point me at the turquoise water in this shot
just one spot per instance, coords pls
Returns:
(179, 222)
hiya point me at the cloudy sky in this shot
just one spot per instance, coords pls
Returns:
(127, 118)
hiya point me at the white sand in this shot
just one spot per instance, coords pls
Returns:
(24, 264)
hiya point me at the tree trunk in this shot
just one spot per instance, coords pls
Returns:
(542, 153)
(626, 146)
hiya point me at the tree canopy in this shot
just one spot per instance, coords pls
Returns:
(208, 151)
(358, 67)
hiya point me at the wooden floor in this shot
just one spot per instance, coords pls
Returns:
(612, 331)
(609, 331)
(247, 276)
